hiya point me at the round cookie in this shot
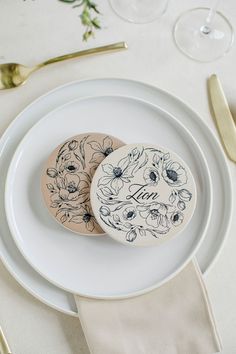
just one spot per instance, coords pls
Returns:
(143, 194)
(67, 176)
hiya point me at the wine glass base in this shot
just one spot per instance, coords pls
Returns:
(137, 11)
(200, 41)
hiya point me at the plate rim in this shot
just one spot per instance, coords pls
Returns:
(140, 87)
(17, 154)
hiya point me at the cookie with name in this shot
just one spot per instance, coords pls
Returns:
(143, 194)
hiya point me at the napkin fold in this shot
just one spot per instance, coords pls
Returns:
(176, 318)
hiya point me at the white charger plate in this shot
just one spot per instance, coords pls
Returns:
(101, 267)
(222, 191)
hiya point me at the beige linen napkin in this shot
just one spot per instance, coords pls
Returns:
(176, 318)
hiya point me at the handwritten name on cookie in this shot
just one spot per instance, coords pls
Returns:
(139, 193)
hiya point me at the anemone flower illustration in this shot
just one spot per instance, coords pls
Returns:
(117, 175)
(151, 176)
(70, 189)
(156, 216)
(177, 218)
(71, 167)
(174, 174)
(129, 213)
(101, 150)
(85, 215)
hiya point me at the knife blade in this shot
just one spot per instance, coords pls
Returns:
(4, 347)
(223, 117)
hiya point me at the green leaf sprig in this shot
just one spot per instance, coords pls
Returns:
(88, 16)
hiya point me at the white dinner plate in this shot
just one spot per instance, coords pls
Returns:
(222, 191)
(100, 267)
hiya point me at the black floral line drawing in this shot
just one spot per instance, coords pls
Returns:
(116, 176)
(180, 198)
(159, 217)
(101, 149)
(70, 185)
(84, 215)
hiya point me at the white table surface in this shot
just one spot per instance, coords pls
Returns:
(32, 31)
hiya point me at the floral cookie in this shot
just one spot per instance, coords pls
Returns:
(67, 176)
(142, 194)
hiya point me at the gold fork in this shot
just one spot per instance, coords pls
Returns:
(14, 75)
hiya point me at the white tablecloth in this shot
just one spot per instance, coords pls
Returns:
(32, 31)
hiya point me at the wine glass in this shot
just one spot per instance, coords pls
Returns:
(139, 11)
(204, 34)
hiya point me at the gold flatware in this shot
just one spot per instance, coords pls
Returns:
(223, 117)
(4, 347)
(13, 75)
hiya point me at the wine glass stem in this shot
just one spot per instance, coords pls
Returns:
(206, 28)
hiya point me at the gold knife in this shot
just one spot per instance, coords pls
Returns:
(4, 347)
(223, 117)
